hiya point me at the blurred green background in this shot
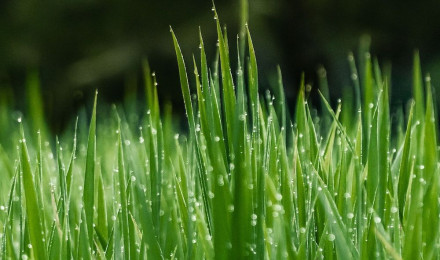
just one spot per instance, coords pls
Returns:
(77, 46)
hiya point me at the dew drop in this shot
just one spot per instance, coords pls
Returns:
(377, 220)
(220, 181)
(331, 237)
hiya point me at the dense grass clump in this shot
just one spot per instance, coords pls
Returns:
(247, 181)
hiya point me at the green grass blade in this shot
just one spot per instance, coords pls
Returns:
(184, 84)
(32, 207)
(431, 209)
(417, 86)
(383, 140)
(89, 177)
(36, 107)
(405, 165)
(228, 88)
(123, 197)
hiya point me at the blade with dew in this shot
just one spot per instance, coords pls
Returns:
(228, 88)
(89, 175)
(32, 208)
(430, 171)
(123, 196)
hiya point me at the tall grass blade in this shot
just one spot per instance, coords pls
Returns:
(89, 177)
(34, 218)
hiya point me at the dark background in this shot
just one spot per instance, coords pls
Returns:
(80, 45)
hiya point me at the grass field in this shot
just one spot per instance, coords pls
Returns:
(352, 180)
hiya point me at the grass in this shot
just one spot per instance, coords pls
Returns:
(246, 181)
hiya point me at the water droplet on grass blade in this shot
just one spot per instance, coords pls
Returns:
(428, 78)
(331, 237)
(220, 181)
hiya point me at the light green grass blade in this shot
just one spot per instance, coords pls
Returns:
(228, 88)
(32, 208)
(405, 165)
(184, 84)
(383, 141)
(123, 197)
(89, 177)
(101, 226)
(69, 174)
(429, 175)
(192, 126)
(83, 245)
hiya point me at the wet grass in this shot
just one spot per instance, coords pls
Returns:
(246, 181)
